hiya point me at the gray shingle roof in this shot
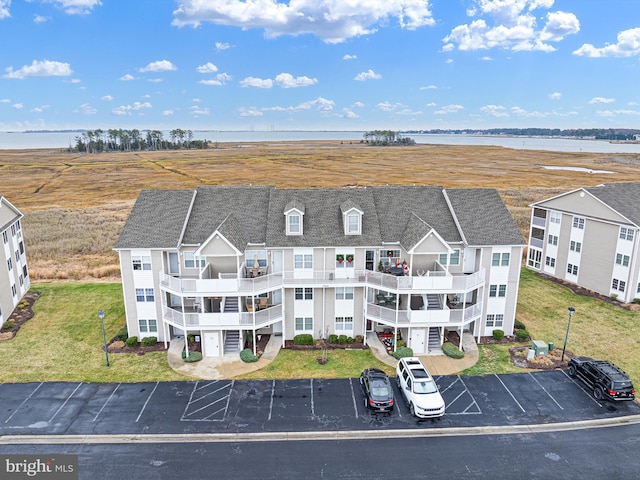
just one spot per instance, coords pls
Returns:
(256, 215)
(156, 220)
(483, 217)
(8, 213)
(624, 198)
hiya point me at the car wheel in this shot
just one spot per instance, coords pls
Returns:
(412, 409)
(572, 370)
(598, 394)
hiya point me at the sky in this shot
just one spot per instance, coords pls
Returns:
(319, 64)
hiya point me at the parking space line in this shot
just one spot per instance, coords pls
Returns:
(210, 393)
(545, 391)
(105, 403)
(207, 384)
(471, 395)
(145, 403)
(580, 387)
(208, 405)
(65, 402)
(509, 391)
(451, 385)
(353, 397)
(273, 389)
(313, 410)
(23, 402)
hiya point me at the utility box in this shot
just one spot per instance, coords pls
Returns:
(539, 347)
(551, 346)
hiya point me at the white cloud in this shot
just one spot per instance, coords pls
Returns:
(127, 77)
(346, 113)
(39, 109)
(601, 100)
(431, 104)
(207, 68)
(5, 100)
(107, 98)
(358, 105)
(447, 109)
(349, 57)
(86, 109)
(198, 111)
(222, 46)
(368, 75)
(513, 27)
(615, 113)
(320, 104)
(40, 19)
(521, 112)
(628, 45)
(429, 87)
(210, 81)
(155, 80)
(75, 7)
(196, 100)
(390, 107)
(128, 109)
(286, 80)
(250, 112)
(495, 110)
(159, 66)
(486, 58)
(256, 82)
(76, 80)
(555, 96)
(221, 79)
(331, 20)
(167, 113)
(4, 9)
(17, 106)
(44, 68)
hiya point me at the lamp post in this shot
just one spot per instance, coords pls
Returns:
(104, 335)
(566, 335)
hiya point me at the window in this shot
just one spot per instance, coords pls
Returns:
(147, 326)
(390, 257)
(505, 259)
(303, 261)
(495, 260)
(13, 230)
(497, 290)
(618, 285)
(575, 246)
(535, 256)
(500, 259)
(344, 323)
(626, 233)
(344, 260)
(638, 289)
(139, 294)
(454, 258)
(495, 320)
(5, 238)
(622, 260)
(9, 264)
(578, 222)
(553, 240)
(148, 293)
(502, 291)
(24, 271)
(344, 293)
(21, 246)
(353, 223)
(293, 225)
(13, 290)
(304, 293)
(555, 217)
(304, 324)
(550, 262)
(190, 261)
(141, 262)
(21, 280)
(17, 254)
(572, 269)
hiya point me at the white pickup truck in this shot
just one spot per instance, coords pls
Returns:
(419, 388)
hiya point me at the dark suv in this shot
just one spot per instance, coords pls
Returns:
(604, 378)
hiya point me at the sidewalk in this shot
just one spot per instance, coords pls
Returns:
(230, 365)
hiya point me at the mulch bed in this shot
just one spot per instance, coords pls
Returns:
(22, 313)
(330, 346)
(260, 346)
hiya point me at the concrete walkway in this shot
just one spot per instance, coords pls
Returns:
(230, 365)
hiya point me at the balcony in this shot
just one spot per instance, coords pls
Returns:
(222, 320)
(228, 284)
(423, 318)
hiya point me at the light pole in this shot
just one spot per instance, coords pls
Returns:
(104, 335)
(566, 335)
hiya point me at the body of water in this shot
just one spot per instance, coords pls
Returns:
(22, 140)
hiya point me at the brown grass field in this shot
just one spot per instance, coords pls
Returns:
(76, 204)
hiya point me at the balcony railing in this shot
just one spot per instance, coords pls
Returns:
(227, 320)
(424, 318)
(538, 221)
(220, 286)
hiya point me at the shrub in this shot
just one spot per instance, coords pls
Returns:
(402, 352)
(359, 339)
(350, 340)
(402, 343)
(191, 337)
(149, 341)
(522, 335)
(22, 304)
(518, 325)
(122, 334)
(342, 339)
(333, 339)
(303, 339)
(193, 356)
(636, 300)
(450, 350)
(131, 341)
(247, 356)
(613, 296)
(8, 324)
(498, 334)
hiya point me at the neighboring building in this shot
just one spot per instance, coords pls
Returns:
(226, 263)
(14, 274)
(589, 236)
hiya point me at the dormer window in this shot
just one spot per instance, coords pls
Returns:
(352, 218)
(294, 214)
(294, 224)
(353, 224)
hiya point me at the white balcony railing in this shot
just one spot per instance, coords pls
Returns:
(417, 318)
(227, 320)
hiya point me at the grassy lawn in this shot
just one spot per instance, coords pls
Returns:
(63, 342)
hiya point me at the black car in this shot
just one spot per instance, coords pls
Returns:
(377, 390)
(605, 379)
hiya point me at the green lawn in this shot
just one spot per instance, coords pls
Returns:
(64, 340)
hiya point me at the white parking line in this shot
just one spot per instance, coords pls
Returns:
(545, 391)
(23, 402)
(207, 406)
(273, 389)
(105, 403)
(580, 387)
(313, 410)
(473, 400)
(353, 397)
(65, 402)
(210, 393)
(145, 403)
(509, 391)
(451, 385)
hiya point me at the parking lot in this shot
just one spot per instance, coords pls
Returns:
(289, 405)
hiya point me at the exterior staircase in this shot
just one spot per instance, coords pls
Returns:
(232, 341)
(434, 346)
(231, 304)
(433, 302)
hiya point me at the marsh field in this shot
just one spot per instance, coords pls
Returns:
(76, 204)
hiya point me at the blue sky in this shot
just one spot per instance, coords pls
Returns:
(319, 64)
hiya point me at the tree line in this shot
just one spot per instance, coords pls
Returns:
(386, 137)
(595, 133)
(121, 140)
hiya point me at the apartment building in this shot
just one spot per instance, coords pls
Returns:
(14, 273)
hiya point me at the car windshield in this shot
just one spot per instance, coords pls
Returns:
(425, 387)
(379, 389)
